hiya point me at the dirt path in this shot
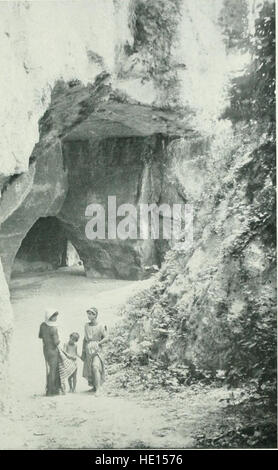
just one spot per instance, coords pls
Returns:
(116, 419)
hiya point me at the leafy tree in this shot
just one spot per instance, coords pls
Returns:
(253, 94)
(253, 352)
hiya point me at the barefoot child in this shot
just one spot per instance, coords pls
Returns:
(68, 362)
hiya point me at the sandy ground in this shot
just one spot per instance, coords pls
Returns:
(117, 418)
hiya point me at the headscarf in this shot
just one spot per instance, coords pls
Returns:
(92, 310)
(48, 314)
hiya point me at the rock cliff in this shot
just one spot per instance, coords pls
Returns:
(94, 143)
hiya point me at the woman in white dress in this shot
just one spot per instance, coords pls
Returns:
(95, 335)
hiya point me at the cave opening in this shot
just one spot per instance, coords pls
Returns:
(46, 247)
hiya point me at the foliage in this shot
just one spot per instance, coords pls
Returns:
(253, 94)
(233, 20)
(253, 352)
(210, 313)
(246, 422)
(154, 24)
(155, 20)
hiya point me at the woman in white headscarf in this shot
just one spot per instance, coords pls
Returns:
(49, 335)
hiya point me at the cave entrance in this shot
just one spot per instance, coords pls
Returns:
(46, 247)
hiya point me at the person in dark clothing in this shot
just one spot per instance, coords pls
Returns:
(50, 338)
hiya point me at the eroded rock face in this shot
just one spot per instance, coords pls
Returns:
(134, 169)
(44, 198)
(6, 327)
(94, 143)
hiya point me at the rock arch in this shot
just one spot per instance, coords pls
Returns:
(93, 143)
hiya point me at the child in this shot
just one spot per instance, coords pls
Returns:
(70, 350)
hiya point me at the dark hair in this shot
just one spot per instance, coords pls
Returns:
(75, 336)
